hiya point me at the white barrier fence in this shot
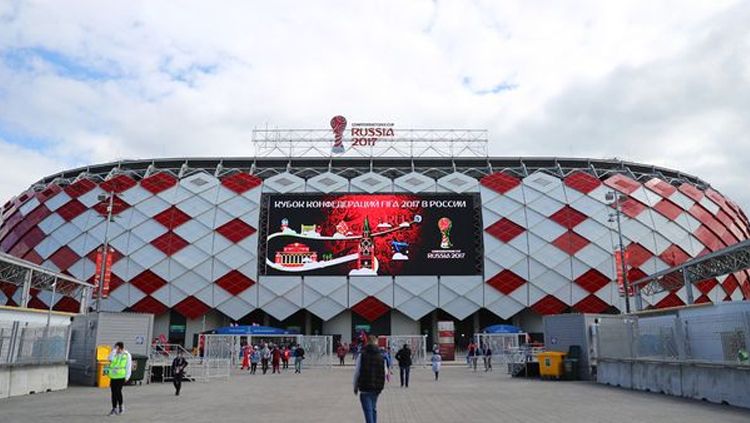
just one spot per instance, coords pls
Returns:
(509, 350)
(318, 348)
(417, 344)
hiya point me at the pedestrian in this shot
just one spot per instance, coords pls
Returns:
(388, 363)
(179, 364)
(246, 357)
(403, 356)
(470, 354)
(285, 357)
(275, 360)
(265, 356)
(299, 355)
(369, 379)
(341, 353)
(487, 355)
(254, 360)
(473, 357)
(436, 362)
(118, 370)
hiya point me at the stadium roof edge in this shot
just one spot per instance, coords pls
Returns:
(497, 162)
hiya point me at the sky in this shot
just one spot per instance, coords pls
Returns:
(664, 83)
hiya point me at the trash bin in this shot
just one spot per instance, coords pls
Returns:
(102, 361)
(551, 364)
(139, 368)
(571, 368)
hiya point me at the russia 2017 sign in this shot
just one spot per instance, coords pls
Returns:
(371, 234)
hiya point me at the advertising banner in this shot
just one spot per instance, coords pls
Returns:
(446, 340)
(371, 234)
(107, 272)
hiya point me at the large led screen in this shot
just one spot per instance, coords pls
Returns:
(371, 234)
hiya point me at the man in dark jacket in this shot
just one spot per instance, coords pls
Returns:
(403, 356)
(369, 378)
(178, 371)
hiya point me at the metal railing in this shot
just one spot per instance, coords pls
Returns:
(712, 338)
(25, 344)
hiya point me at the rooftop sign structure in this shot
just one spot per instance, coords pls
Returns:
(369, 139)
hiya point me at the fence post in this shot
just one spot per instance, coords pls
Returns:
(688, 286)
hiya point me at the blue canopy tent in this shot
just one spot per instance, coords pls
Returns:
(502, 329)
(252, 330)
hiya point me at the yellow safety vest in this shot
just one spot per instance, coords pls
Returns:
(117, 368)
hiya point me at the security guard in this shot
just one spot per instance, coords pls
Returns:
(120, 366)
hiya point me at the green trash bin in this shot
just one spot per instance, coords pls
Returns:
(139, 368)
(570, 368)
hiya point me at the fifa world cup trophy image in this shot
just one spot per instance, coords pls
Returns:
(338, 124)
(445, 225)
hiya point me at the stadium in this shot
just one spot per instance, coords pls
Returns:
(386, 242)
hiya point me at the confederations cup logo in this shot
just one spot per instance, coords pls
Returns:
(445, 225)
(338, 125)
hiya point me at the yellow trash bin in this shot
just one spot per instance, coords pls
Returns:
(551, 364)
(102, 360)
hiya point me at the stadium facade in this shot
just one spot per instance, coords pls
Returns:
(335, 245)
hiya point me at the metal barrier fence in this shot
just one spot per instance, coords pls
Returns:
(417, 344)
(509, 350)
(318, 348)
(22, 343)
(716, 338)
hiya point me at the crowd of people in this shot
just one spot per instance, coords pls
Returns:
(373, 366)
(475, 351)
(277, 356)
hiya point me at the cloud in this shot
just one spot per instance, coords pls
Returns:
(665, 83)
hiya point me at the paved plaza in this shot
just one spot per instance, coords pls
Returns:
(326, 396)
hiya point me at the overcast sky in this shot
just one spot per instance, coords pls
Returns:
(661, 82)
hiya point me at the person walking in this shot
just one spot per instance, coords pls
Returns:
(487, 355)
(285, 357)
(265, 356)
(299, 355)
(471, 356)
(118, 370)
(341, 353)
(437, 360)
(254, 360)
(369, 378)
(246, 356)
(403, 356)
(179, 364)
(275, 360)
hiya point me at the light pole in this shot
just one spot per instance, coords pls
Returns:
(105, 248)
(615, 198)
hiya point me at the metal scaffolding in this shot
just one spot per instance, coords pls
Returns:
(728, 260)
(412, 143)
(30, 276)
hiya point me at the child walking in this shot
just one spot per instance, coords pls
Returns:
(436, 362)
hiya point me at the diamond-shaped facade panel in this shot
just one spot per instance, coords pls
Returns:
(505, 230)
(172, 217)
(500, 182)
(506, 281)
(570, 242)
(582, 182)
(118, 184)
(236, 230)
(169, 243)
(241, 182)
(370, 308)
(148, 282)
(568, 217)
(235, 282)
(158, 182)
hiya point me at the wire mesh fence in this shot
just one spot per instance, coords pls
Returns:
(721, 338)
(23, 343)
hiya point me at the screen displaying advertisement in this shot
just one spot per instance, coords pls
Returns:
(371, 234)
